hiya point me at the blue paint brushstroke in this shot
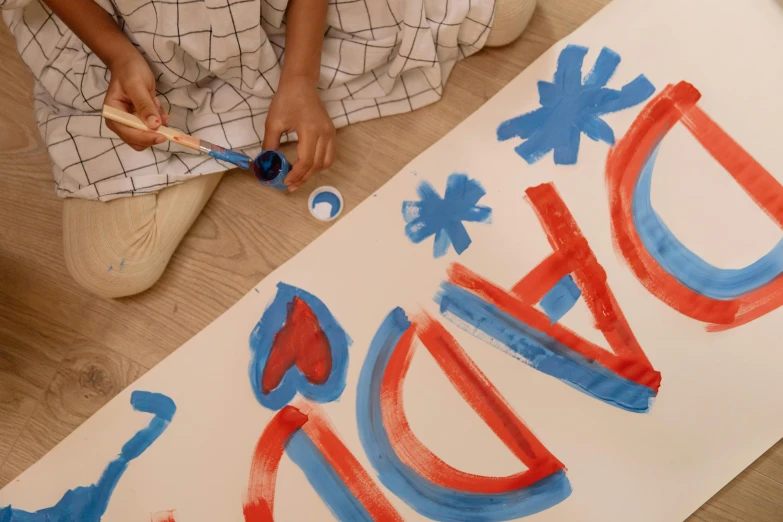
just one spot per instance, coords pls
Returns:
(689, 269)
(560, 299)
(541, 351)
(443, 217)
(88, 504)
(429, 499)
(263, 335)
(570, 107)
(230, 156)
(324, 479)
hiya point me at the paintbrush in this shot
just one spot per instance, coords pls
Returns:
(216, 151)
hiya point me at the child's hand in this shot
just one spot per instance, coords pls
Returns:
(297, 107)
(132, 89)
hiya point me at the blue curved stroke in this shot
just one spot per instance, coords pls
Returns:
(429, 499)
(679, 261)
(88, 504)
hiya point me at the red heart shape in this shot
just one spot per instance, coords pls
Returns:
(301, 342)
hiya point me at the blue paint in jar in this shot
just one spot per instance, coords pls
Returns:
(271, 168)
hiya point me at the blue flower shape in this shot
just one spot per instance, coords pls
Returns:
(570, 107)
(443, 217)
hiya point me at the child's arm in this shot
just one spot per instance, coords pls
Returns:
(296, 105)
(132, 84)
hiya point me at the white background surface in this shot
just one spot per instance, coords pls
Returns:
(720, 400)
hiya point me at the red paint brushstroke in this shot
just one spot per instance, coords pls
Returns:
(348, 468)
(301, 342)
(627, 359)
(480, 394)
(259, 506)
(164, 516)
(534, 286)
(624, 164)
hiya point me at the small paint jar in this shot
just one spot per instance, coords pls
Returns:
(271, 168)
(325, 203)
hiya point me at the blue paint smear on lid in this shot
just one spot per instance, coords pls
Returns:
(331, 199)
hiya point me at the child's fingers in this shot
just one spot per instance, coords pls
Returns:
(305, 152)
(144, 103)
(317, 165)
(273, 130)
(331, 152)
(165, 118)
(134, 137)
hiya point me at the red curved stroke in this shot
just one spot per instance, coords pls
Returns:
(477, 390)
(624, 164)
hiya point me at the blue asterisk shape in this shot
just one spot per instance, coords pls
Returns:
(570, 107)
(443, 217)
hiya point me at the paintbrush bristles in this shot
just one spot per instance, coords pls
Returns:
(131, 120)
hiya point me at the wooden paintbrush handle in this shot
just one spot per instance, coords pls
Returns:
(131, 120)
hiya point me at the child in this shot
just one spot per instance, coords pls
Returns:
(244, 74)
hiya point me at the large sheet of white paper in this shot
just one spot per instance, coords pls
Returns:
(595, 447)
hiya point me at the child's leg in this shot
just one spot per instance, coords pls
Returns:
(511, 18)
(121, 247)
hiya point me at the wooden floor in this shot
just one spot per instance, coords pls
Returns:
(65, 353)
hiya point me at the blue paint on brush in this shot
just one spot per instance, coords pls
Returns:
(427, 498)
(540, 351)
(229, 156)
(443, 217)
(324, 479)
(88, 504)
(570, 107)
(560, 299)
(679, 261)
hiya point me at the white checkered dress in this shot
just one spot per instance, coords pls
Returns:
(217, 64)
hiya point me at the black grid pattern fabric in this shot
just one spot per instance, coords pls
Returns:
(217, 64)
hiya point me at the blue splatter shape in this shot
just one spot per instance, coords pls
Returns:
(560, 299)
(443, 217)
(570, 107)
(262, 339)
(88, 504)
